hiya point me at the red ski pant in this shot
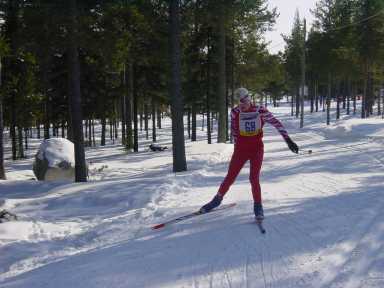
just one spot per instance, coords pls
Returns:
(239, 157)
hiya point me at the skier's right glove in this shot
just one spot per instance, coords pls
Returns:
(292, 145)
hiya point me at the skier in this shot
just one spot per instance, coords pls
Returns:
(247, 121)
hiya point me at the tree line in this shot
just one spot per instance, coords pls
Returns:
(344, 57)
(67, 65)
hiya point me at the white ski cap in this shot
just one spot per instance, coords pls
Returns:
(242, 94)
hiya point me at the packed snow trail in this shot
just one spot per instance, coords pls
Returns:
(323, 213)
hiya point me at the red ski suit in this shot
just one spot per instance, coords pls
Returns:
(247, 131)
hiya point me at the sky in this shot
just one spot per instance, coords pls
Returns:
(284, 22)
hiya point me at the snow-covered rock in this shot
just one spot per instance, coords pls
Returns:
(6, 216)
(55, 160)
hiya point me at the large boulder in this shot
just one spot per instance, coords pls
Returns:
(55, 160)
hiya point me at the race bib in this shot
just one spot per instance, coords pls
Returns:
(250, 123)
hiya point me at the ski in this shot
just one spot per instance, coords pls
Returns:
(191, 215)
(261, 227)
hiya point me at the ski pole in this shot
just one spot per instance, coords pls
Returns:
(304, 152)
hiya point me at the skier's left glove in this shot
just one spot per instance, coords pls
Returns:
(292, 145)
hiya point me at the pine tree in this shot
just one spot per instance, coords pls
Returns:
(370, 45)
(75, 94)
(221, 90)
(178, 144)
(293, 58)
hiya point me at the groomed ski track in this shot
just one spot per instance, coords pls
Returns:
(324, 217)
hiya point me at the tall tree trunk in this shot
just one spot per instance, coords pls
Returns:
(46, 121)
(153, 119)
(303, 77)
(93, 133)
(158, 117)
(69, 125)
(226, 110)
(86, 129)
(354, 97)
(116, 120)
(112, 129)
(348, 96)
(46, 98)
(2, 168)
(378, 104)
(146, 116)
(323, 100)
(54, 130)
(203, 121)
(13, 128)
(208, 96)
(177, 107)
(194, 112)
(62, 128)
(103, 128)
(343, 92)
(123, 99)
(382, 98)
(11, 27)
(38, 130)
(364, 100)
(328, 101)
(128, 106)
(189, 122)
(20, 142)
(222, 102)
(196, 74)
(338, 98)
(75, 95)
(312, 93)
(135, 120)
(381, 95)
(370, 93)
(110, 120)
(316, 88)
(90, 132)
(298, 100)
(232, 73)
(26, 138)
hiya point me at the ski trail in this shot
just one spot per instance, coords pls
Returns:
(268, 250)
(246, 272)
(227, 278)
(262, 269)
(289, 266)
(355, 271)
(349, 262)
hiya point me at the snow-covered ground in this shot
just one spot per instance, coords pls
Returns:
(324, 216)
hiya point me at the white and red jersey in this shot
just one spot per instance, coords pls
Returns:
(247, 125)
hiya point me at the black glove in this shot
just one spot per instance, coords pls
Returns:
(292, 145)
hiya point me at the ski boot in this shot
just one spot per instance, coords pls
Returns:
(216, 201)
(259, 213)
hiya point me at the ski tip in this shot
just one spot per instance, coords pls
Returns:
(158, 226)
(261, 228)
